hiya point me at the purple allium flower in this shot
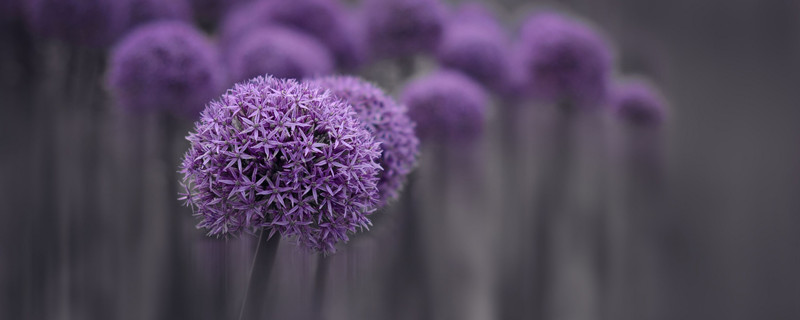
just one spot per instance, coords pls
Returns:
(446, 106)
(476, 45)
(286, 156)
(564, 60)
(403, 27)
(167, 66)
(638, 102)
(280, 52)
(387, 121)
(143, 11)
(84, 22)
(325, 20)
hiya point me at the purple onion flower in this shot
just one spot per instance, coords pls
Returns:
(280, 52)
(387, 121)
(397, 28)
(286, 156)
(638, 102)
(564, 60)
(166, 66)
(325, 20)
(83, 22)
(143, 11)
(446, 106)
(476, 45)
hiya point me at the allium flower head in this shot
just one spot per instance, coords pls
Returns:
(387, 121)
(564, 60)
(280, 52)
(637, 102)
(476, 45)
(166, 66)
(325, 20)
(143, 11)
(286, 156)
(446, 106)
(403, 27)
(83, 22)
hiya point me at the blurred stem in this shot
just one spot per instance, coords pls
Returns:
(320, 279)
(260, 271)
(551, 193)
(408, 267)
(176, 300)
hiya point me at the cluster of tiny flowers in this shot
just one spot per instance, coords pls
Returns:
(388, 121)
(637, 102)
(399, 28)
(280, 52)
(167, 66)
(475, 44)
(447, 107)
(322, 19)
(564, 60)
(285, 156)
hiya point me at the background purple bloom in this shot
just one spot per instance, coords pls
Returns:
(403, 27)
(638, 102)
(166, 66)
(278, 51)
(476, 45)
(564, 60)
(282, 155)
(85, 22)
(325, 20)
(446, 106)
(387, 121)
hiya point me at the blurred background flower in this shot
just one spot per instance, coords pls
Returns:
(280, 52)
(165, 66)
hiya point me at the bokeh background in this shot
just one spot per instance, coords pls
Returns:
(85, 232)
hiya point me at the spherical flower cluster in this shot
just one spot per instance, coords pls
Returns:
(475, 44)
(285, 156)
(143, 11)
(167, 66)
(446, 106)
(387, 121)
(397, 28)
(564, 60)
(280, 52)
(639, 103)
(323, 19)
(83, 22)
